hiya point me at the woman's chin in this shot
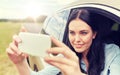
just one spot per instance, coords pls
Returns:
(79, 50)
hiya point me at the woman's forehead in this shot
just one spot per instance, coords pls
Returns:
(78, 24)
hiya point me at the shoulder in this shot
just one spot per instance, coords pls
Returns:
(112, 49)
(112, 58)
(109, 46)
(112, 54)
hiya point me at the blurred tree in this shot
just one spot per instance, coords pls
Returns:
(41, 18)
(29, 19)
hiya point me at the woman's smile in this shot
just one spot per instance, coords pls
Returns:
(78, 45)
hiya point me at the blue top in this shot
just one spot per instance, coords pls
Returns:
(112, 63)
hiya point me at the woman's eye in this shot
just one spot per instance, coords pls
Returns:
(83, 33)
(71, 32)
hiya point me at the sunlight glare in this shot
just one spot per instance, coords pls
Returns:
(33, 10)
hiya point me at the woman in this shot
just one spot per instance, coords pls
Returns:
(85, 52)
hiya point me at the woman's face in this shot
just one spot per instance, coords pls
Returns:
(80, 35)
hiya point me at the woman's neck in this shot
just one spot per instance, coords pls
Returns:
(84, 58)
(84, 54)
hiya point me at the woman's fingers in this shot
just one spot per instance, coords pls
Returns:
(14, 45)
(59, 60)
(9, 51)
(23, 29)
(14, 48)
(61, 49)
(66, 52)
(16, 40)
(62, 63)
(57, 42)
(15, 55)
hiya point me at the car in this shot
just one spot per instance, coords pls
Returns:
(55, 24)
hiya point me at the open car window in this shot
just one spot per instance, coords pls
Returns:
(56, 23)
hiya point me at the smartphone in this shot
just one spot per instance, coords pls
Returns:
(34, 44)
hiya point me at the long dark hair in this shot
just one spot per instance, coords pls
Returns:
(96, 55)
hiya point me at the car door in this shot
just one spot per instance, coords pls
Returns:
(55, 23)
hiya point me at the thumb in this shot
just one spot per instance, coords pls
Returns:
(23, 29)
(57, 42)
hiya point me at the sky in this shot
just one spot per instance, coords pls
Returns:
(33, 8)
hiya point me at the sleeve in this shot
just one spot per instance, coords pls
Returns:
(49, 70)
(114, 68)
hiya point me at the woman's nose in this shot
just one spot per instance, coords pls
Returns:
(77, 38)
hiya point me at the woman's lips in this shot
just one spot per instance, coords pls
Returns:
(77, 45)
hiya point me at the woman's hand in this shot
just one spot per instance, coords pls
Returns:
(13, 52)
(17, 57)
(69, 64)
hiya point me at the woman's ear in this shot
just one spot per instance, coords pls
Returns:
(94, 35)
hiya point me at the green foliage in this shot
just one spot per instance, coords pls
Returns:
(7, 30)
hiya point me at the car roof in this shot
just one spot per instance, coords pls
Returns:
(108, 8)
(112, 3)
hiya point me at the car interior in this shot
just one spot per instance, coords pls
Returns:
(114, 26)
